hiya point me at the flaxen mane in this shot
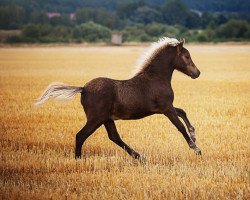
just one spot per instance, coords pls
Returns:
(152, 51)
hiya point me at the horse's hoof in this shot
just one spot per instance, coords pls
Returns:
(197, 151)
(77, 157)
(138, 157)
(142, 160)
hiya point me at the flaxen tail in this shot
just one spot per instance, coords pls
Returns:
(58, 91)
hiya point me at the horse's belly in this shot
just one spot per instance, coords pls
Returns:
(130, 116)
(123, 112)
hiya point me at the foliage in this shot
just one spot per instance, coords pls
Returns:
(45, 33)
(139, 20)
(11, 17)
(126, 9)
(62, 20)
(147, 15)
(175, 12)
(234, 29)
(100, 16)
(92, 32)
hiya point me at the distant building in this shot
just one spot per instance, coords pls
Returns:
(72, 16)
(116, 38)
(50, 15)
(53, 14)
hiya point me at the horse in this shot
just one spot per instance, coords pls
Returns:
(147, 92)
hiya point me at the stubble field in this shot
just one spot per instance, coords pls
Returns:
(37, 144)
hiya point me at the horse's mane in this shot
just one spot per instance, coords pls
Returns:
(149, 54)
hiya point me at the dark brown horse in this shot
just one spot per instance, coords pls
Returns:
(148, 92)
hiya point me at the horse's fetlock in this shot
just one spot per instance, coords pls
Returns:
(191, 129)
(191, 144)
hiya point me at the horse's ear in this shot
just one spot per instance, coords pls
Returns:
(180, 45)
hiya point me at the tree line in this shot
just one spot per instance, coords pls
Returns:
(137, 20)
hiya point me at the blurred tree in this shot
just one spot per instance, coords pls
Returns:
(202, 37)
(100, 16)
(155, 29)
(146, 15)
(61, 31)
(175, 12)
(92, 32)
(206, 18)
(63, 20)
(38, 17)
(234, 29)
(83, 15)
(31, 31)
(45, 29)
(220, 19)
(193, 20)
(126, 9)
(211, 30)
(11, 17)
(136, 33)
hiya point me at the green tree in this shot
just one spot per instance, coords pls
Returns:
(31, 31)
(126, 9)
(62, 20)
(206, 19)
(193, 20)
(234, 29)
(92, 32)
(136, 33)
(155, 29)
(99, 16)
(38, 17)
(147, 15)
(11, 17)
(175, 12)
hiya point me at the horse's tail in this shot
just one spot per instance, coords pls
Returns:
(58, 91)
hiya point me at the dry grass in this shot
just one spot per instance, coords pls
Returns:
(37, 144)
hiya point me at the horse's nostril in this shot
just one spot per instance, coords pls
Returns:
(198, 73)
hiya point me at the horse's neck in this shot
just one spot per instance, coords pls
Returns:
(160, 69)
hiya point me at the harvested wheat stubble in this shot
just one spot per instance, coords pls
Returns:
(37, 158)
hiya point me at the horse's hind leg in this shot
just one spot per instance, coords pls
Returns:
(115, 137)
(83, 134)
(182, 114)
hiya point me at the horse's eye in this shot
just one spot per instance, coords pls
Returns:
(187, 57)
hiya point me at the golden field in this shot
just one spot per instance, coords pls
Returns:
(37, 144)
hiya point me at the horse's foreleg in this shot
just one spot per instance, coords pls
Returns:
(115, 137)
(82, 135)
(172, 115)
(181, 113)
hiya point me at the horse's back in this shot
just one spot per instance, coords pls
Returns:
(116, 99)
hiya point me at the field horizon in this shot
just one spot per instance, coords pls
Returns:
(37, 156)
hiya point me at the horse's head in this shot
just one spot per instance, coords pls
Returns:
(184, 63)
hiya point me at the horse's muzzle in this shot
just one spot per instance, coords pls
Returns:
(195, 75)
